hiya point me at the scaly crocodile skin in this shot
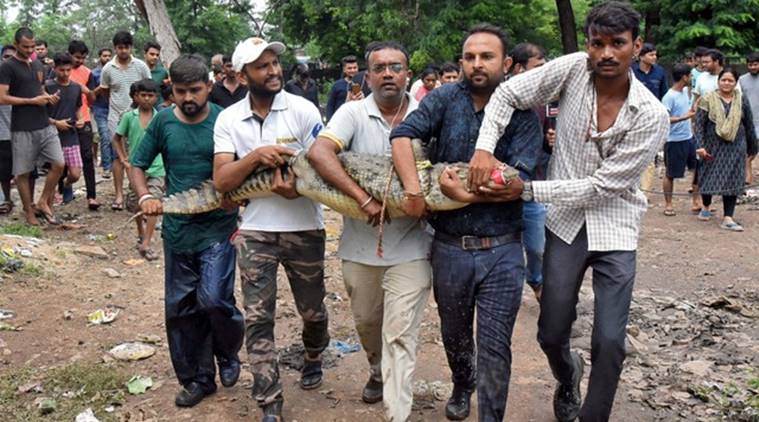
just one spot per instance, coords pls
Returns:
(369, 171)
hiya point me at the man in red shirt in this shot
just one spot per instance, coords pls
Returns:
(82, 75)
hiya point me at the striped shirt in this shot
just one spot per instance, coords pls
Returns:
(118, 80)
(590, 182)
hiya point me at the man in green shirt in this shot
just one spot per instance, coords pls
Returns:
(157, 72)
(201, 317)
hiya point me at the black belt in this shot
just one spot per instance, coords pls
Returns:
(477, 243)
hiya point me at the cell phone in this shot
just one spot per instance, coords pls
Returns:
(355, 88)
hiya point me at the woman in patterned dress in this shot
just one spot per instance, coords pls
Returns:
(725, 130)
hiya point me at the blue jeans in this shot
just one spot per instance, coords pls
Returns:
(106, 150)
(534, 241)
(489, 281)
(201, 317)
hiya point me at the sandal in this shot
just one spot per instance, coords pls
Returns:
(311, 374)
(6, 207)
(149, 254)
(93, 205)
(731, 226)
(48, 216)
(117, 206)
(669, 212)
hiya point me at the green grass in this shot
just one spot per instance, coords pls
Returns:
(74, 388)
(21, 230)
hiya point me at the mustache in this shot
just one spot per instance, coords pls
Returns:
(607, 63)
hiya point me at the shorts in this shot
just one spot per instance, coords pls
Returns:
(6, 161)
(31, 147)
(72, 156)
(156, 187)
(678, 156)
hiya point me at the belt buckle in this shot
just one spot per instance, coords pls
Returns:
(472, 243)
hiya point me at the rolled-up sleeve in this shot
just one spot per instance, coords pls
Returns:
(526, 143)
(523, 92)
(618, 172)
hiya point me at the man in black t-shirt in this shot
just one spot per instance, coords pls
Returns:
(32, 137)
(66, 117)
(228, 90)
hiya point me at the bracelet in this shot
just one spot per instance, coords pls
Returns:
(144, 198)
(409, 195)
(368, 200)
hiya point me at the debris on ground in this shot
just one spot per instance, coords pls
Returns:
(7, 314)
(92, 251)
(111, 273)
(292, 357)
(427, 393)
(689, 358)
(46, 405)
(87, 416)
(102, 316)
(132, 351)
(344, 347)
(4, 326)
(139, 384)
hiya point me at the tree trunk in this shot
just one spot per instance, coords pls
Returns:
(157, 15)
(652, 20)
(567, 26)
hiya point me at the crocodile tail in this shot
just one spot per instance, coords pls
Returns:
(200, 199)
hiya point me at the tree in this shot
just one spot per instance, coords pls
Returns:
(730, 26)
(432, 30)
(567, 26)
(154, 11)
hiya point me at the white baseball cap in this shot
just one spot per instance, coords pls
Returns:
(251, 49)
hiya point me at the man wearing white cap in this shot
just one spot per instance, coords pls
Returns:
(263, 130)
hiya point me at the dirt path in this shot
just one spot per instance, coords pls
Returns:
(679, 255)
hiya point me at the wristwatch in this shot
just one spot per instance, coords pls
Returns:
(526, 192)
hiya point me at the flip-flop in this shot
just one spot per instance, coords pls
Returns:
(117, 206)
(669, 212)
(695, 210)
(149, 254)
(93, 206)
(6, 207)
(49, 217)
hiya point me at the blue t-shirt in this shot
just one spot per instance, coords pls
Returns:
(678, 104)
(655, 80)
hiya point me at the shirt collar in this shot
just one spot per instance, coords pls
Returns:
(372, 109)
(280, 103)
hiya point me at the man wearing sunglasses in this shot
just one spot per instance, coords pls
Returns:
(388, 293)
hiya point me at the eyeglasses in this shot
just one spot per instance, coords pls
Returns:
(394, 67)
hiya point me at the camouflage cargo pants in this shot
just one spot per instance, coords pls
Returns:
(302, 256)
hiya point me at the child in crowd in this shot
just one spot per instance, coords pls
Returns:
(65, 116)
(168, 97)
(132, 127)
(429, 82)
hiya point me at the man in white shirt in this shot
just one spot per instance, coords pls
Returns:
(262, 131)
(388, 293)
(749, 84)
(707, 80)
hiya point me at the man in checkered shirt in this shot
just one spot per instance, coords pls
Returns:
(609, 129)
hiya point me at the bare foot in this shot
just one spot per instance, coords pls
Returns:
(31, 218)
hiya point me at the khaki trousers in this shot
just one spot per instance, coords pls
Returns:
(388, 304)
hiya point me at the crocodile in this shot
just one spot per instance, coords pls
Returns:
(371, 172)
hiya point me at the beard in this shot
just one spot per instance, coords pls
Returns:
(191, 109)
(488, 86)
(261, 91)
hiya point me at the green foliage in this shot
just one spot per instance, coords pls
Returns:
(432, 30)
(730, 26)
(21, 230)
(74, 387)
(207, 27)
